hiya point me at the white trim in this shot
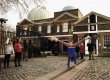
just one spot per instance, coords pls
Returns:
(59, 36)
(91, 31)
(88, 24)
(97, 47)
(96, 18)
(104, 31)
(84, 32)
(96, 22)
(50, 36)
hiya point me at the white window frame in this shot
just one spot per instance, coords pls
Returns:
(40, 28)
(58, 28)
(65, 27)
(49, 29)
(106, 41)
(72, 28)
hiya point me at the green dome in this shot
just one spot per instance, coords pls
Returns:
(39, 13)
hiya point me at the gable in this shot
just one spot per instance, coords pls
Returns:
(100, 18)
(25, 22)
(66, 16)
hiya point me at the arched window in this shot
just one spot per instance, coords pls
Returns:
(92, 18)
(49, 29)
(58, 28)
(39, 28)
(65, 27)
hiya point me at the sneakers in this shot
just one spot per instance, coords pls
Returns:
(75, 66)
(19, 65)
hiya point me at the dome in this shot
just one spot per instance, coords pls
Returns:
(68, 8)
(39, 13)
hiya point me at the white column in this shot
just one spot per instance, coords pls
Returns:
(86, 41)
(88, 24)
(97, 46)
(96, 24)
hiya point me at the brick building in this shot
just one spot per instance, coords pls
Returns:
(39, 29)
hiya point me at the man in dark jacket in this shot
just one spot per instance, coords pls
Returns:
(77, 51)
(90, 49)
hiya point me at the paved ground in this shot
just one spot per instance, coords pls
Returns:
(54, 68)
(98, 69)
(33, 68)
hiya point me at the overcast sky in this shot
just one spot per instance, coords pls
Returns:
(85, 6)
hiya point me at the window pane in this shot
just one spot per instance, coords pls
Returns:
(39, 28)
(65, 27)
(106, 41)
(58, 28)
(49, 29)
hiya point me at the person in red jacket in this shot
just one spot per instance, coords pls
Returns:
(82, 50)
(18, 51)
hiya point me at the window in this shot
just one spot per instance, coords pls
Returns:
(92, 28)
(92, 18)
(107, 41)
(58, 28)
(40, 28)
(49, 29)
(65, 27)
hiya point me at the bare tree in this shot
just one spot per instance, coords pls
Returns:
(20, 6)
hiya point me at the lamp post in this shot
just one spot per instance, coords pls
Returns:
(2, 20)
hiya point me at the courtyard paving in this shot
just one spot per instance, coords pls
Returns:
(33, 68)
(98, 69)
(54, 68)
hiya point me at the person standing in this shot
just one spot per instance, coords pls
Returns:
(25, 53)
(71, 49)
(82, 50)
(30, 49)
(8, 50)
(77, 51)
(90, 46)
(18, 52)
(55, 50)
